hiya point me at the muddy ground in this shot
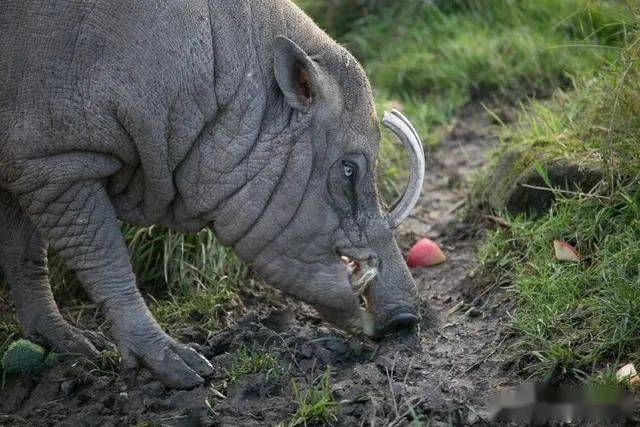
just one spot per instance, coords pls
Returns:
(444, 373)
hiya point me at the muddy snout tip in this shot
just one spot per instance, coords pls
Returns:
(399, 322)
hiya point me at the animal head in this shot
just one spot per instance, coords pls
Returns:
(338, 252)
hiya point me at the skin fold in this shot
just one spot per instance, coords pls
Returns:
(240, 116)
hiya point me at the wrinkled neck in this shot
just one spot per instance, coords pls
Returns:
(248, 169)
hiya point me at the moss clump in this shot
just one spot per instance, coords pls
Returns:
(26, 358)
(521, 180)
(51, 360)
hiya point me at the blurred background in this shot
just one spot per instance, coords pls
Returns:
(432, 57)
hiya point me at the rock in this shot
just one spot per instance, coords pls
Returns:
(514, 175)
(474, 312)
(122, 398)
(67, 387)
(344, 391)
(503, 179)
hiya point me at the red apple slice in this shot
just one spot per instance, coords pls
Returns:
(424, 253)
(565, 252)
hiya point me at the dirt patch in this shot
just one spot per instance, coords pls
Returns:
(443, 373)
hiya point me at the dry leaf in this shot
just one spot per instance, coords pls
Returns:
(565, 252)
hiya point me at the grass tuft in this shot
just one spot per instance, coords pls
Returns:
(248, 361)
(316, 404)
(196, 278)
(182, 262)
(192, 280)
(9, 327)
(576, 320)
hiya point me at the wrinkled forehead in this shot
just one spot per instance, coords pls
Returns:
(358, 118)
(357, 93)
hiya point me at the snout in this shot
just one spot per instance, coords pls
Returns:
(398, 322)
(403, 318)
(392, 297)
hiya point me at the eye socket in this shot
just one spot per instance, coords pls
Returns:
(349, 169)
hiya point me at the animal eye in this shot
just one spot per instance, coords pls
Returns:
(348, 169)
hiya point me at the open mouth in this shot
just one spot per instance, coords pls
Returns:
(361, 273)
(360, 276)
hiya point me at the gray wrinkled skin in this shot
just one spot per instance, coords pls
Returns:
(187, 114)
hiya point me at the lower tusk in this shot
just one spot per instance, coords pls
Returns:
(368, 323)
(360, 280)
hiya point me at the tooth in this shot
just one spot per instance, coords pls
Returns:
(368, 324)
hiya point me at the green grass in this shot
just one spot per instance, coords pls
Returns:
(9, 332)
(315, 403)
(577, 321)
(197, 279)
(433, 57)
(473, 47)
(595, 122)
(249, 361)
(9, 328)
(192, 281)
(169, 262)
(574, 316)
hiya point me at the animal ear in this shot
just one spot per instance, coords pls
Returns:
(297, 75)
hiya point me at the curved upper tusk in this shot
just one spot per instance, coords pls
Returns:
(406, 133)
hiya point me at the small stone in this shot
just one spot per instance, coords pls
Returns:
(474, 312)
(121, 399)
(67, 387)
(338, 391)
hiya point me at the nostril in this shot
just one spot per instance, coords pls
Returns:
(399, 322)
